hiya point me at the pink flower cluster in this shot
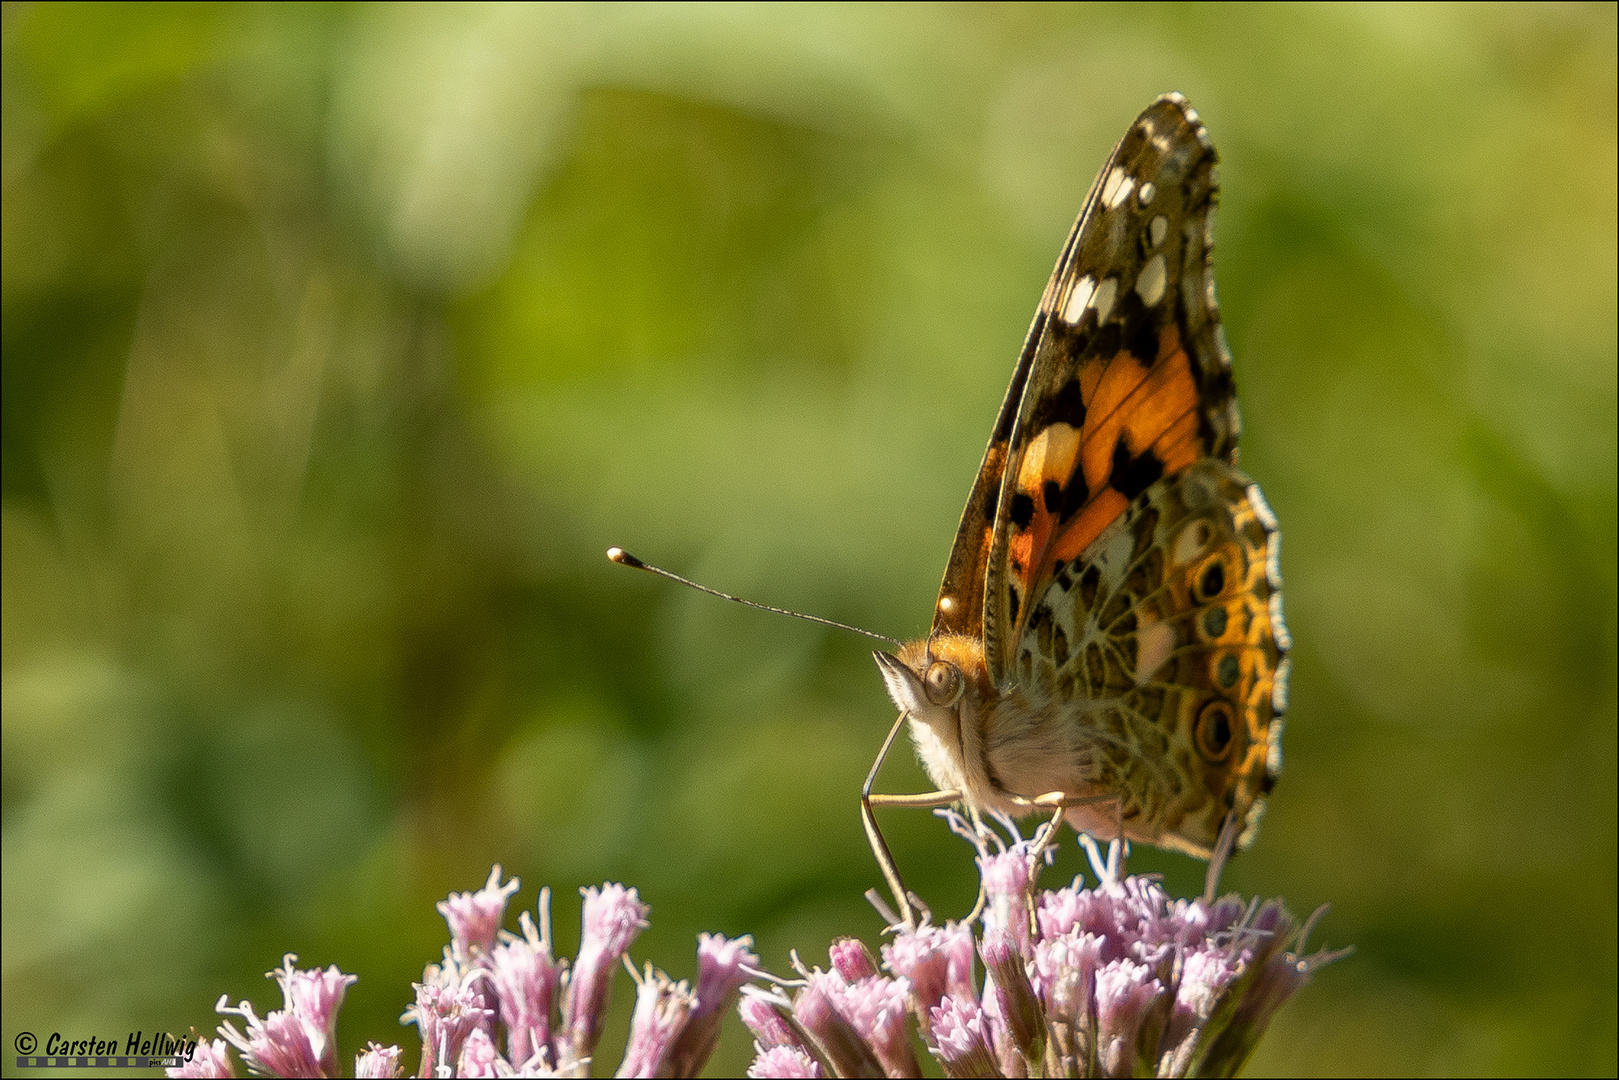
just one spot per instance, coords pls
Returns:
(500, 1004)
(1119, 980)
(1116, 980)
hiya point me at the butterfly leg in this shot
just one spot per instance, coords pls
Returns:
(927, 800)
(1046, 836)
(874, 835)
(1059, 802)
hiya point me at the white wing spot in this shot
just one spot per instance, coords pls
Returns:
(1273, 568)
(1103, 301)
(1273, 749)
(1262, 510)
(1079, 296)
(1209, 298)
(1208, 227)
(1278, 699)
(1110, 187)
(1148, 190)
(1278, 625)
(946, 604)
(1117, 189)
(1158, 229)
(1150, 283)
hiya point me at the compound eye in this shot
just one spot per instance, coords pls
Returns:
(943, 683)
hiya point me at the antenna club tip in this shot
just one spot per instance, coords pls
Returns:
(624, 558)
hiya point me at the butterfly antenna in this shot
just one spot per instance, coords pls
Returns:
(624, 558)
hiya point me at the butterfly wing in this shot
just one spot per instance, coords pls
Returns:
(1163, 653)
(1128, 378)
(1119, 505)
(961, 608)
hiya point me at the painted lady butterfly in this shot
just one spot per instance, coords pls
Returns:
(1108, 642)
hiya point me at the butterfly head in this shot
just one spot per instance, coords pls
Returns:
(934, 674)
(941, 683)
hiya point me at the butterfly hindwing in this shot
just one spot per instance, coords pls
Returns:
(1166, 648)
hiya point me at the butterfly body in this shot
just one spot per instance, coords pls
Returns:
(1109, 628)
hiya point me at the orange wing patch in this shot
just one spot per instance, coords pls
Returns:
(1088, 524)
(1140, 424)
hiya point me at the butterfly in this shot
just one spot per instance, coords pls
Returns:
(1108, 642)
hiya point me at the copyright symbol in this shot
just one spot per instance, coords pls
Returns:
(26, 1042)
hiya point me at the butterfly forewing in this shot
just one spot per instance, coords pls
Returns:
(1128, 383)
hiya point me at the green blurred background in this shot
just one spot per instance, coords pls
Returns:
(340, 341)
